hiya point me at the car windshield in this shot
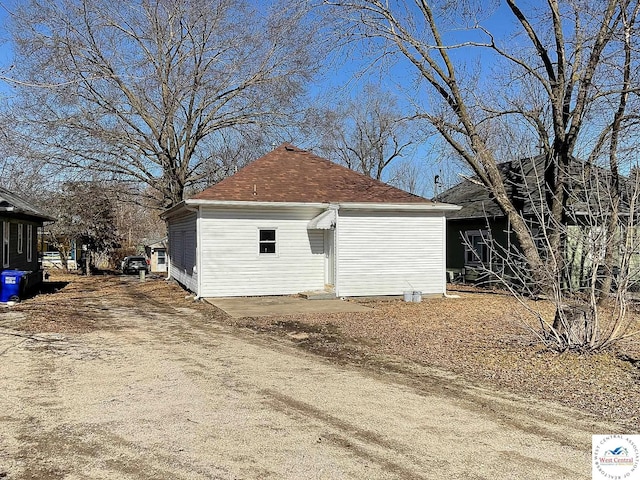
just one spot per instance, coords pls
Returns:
(136, 259)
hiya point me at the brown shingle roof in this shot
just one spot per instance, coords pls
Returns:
(289, 174)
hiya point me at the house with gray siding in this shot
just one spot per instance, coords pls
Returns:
(292, 222)
(20, 222)
(482, 246)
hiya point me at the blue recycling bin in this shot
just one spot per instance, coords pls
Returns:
(10, 282)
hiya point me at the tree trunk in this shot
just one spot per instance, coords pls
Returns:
(609, 256)
(64, 259)
(612, 239)
(574, 325)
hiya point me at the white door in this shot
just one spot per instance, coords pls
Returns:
(329, 257)
(161, 265)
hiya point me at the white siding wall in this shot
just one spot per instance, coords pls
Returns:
(182, 250)
(387, 253)
(232, 266)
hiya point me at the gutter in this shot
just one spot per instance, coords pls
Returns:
(434, 207)
(425, 206)
(238, 203)
(173, 210)
(28, 214)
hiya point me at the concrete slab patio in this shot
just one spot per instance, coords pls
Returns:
(238, 307)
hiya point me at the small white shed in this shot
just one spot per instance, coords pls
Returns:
(292, 222)
(157, 254)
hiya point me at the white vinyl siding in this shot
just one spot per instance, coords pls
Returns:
(232, 265)
(182, 250)
(387, 253)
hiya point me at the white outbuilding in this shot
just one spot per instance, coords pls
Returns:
(292, 222)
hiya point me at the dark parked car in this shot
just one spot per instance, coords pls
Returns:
(135, 264)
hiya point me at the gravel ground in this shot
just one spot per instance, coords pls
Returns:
(109, 378)
(480, 336)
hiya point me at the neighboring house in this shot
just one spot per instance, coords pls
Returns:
(292, 222)
(468, 230)
(51, 256)
(20, 223)
(157, 254)
(481, 223)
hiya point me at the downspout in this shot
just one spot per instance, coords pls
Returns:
(336, 251)
(444, 256)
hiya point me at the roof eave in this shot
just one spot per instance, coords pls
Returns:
(177, 208)
(245, 203)
(422, 206)
(27, 213)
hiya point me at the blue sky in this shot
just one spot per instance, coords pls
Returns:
(5, 45)
(339, 82)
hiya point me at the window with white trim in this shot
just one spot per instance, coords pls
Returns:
(29, 243)
(20, 237)
(5, 244)
(476, 250)
(267, 241)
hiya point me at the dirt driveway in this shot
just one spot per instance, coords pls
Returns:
(156, 389)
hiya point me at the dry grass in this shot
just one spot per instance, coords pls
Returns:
(70, 303)
(484, 338)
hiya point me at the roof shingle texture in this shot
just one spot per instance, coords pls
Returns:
(525, 186)
(289, 174)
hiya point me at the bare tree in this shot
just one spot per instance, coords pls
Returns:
(554, 71)
(86, 214)
(367, 134)
(231, 150)
(137, 219)
(19, 172)
(611, 134)
(135, 89)
(580, 322)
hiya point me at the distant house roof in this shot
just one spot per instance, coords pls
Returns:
(162, 243)
(475, 200)
(524, 183)
(10, 202)
(289, 174)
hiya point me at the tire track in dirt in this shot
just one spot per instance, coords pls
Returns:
(360, 441)
(509, 410)
(504, 409)
(209, 400)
